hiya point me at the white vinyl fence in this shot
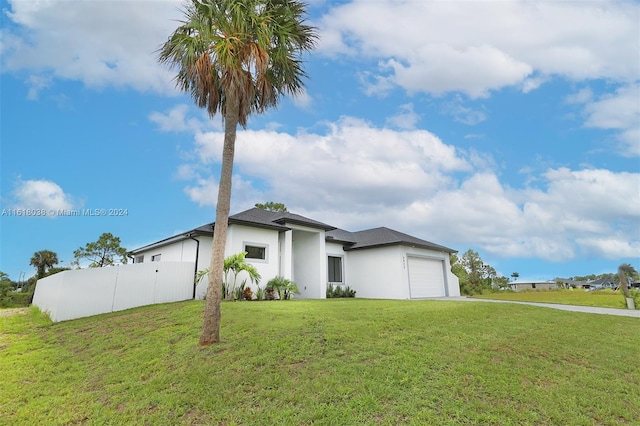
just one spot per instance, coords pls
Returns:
(85, 292)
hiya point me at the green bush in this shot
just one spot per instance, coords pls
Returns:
(16, 300)
(338, 291)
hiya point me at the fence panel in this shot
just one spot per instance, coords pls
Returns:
(167, 286)
(136, 285)
(85, 292)
(47, 297)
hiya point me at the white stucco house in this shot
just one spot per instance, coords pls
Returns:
(377, 263)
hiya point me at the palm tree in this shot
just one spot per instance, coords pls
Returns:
(43, 260)
(236, 263)
(624, 272)
(235, 57)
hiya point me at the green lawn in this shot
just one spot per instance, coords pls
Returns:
(601, 298)
(324, 362)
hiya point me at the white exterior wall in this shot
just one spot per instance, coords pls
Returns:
(179, 251)
(85, 292)
(382, 272)
(309, 261)
(239, 235)
(378, 273)
(285, 241)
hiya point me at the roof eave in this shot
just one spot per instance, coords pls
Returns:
(258, 225)
(322, 226)
(402, 243)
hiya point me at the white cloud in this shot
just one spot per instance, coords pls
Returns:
(100, 43)
(356, 175)
(582, 96)
(41, 194)
(175, 120)
(461, 113)
(477, 47)
(532, 83)
(36, 84)
(621, 112)
(302, 100)
(406, 119)
(204, 192)
(351, 163)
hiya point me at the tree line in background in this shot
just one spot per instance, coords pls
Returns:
(106, 251)
(475, 276)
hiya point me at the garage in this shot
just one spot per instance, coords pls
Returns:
(426, 277)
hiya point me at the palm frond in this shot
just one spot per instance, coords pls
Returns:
(245, 50)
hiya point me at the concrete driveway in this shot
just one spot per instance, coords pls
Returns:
(574, 308)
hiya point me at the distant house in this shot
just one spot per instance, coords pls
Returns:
(569, 283)
(533, 285)
(609, 281)
(377, 263)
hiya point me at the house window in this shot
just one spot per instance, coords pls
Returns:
(156, 258)
(255, 251)
(334, 273)
(139, 259)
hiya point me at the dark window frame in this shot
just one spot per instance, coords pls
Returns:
(252, 248)
(335, 269)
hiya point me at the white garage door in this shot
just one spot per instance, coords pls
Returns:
(425, 278)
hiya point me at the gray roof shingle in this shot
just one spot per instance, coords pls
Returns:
(378, 237)
(256, 216)
(370, 238)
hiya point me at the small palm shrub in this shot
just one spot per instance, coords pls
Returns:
(339, 291)
(283, 286)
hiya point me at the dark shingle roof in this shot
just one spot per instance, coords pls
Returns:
(379, 237)
(278, 220)
(340, 236)
(370, 238)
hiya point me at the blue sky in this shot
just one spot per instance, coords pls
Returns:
(511, 128)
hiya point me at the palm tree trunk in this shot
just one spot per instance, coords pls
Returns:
(623, 283)
(211, 322)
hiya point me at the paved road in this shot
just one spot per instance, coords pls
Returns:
(574, 308)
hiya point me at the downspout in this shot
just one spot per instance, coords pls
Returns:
(195, 272)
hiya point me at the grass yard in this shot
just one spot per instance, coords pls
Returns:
(600, 298)
(324, 362)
